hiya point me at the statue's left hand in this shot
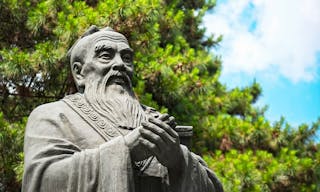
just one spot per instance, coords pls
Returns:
(159, 137)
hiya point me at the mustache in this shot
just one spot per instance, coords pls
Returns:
(117, 74)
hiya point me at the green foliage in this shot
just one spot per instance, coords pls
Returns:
(175, 73)
(11, 146)
(262, 171)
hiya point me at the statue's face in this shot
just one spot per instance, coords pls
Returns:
(109, 56)
(102, 68)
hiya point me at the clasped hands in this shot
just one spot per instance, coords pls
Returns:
(156, 137)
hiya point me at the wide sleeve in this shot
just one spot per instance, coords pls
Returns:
(196, 176)
(54, 163)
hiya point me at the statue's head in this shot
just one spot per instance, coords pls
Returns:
(102, 56)
(101, 65)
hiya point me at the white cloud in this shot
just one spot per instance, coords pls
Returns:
(260, 35)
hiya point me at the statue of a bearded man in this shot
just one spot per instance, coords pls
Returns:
(102, 138)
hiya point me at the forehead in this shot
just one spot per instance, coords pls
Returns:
(110, 39)
(88, 43)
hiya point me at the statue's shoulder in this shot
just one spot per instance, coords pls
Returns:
(49, 109)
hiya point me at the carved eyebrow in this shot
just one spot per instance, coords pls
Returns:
(127, 50)
(103, 47)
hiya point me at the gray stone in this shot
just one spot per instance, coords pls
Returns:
(102, 138)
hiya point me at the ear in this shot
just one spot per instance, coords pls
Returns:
(77, 75)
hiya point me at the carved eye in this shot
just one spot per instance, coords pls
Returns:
(127, 57)
(106, 56)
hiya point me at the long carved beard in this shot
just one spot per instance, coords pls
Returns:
(121, 109)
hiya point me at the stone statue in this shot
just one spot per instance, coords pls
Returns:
(102, 138)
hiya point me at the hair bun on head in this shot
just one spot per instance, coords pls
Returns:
(107, 29)
(92, 29)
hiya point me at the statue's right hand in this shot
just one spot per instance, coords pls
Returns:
(137, 151)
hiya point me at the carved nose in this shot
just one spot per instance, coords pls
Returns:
(118, 66)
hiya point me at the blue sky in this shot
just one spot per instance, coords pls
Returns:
(276, 43)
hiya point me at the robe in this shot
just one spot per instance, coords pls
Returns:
(69, 148)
